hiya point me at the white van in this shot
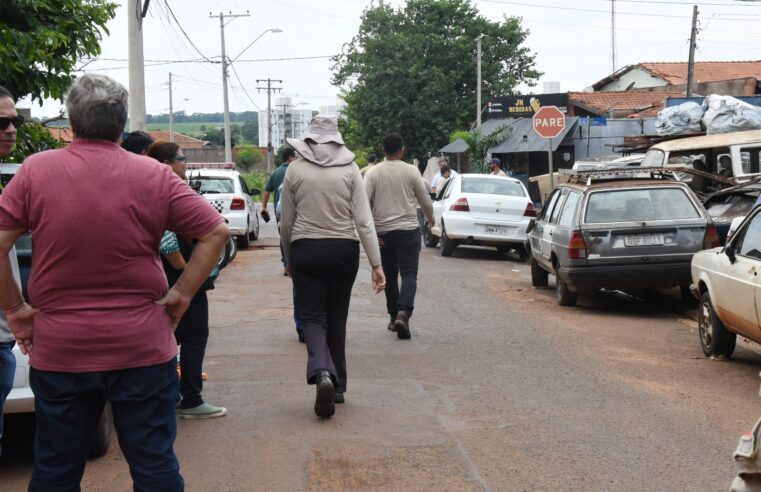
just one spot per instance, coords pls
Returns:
(726, 154)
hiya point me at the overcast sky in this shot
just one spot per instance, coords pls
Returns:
(572, 40)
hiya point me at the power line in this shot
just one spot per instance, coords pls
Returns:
(244, 90)
(166, 3)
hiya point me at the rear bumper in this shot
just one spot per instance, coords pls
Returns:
(473, 231)
(656, 275)
(237, 222)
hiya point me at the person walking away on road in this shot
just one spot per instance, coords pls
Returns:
(10, 120)
(395, 189)
(192, 334)
(137, 142)
(495, 167)
(296, 308)
(288, 155)
(324, 209)
(99, 323)
(371, 160)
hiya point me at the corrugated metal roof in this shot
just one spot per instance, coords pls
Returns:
(520, 127)
(456, 147)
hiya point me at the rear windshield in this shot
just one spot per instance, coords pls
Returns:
(213, 184)
(639, 205)
(492, 186)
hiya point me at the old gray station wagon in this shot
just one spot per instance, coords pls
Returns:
(618, 233)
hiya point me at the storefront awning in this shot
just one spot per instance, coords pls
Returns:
(457, 147)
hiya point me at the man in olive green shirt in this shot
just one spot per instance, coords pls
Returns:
(273, 186)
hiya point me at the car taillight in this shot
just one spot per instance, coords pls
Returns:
(530, 210)
(577, 248)
(711, 238)
(461, 205)
(238, 204)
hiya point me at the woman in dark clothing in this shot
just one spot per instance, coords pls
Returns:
(192, 333)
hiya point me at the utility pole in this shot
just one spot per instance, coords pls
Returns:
(693, 43)
(228, 144)
(269, 90)
(135, 16)
(171, 111)
(613, 36)
(478, 80)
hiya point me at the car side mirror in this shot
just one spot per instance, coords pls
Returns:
(255, 192)
(530, 226)
(734, 225)
(729, 250)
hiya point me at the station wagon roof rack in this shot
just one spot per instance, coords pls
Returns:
(637, 173)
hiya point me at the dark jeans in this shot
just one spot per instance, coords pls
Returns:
(192, 334)
(297, 312)
(324, 271)
(68, 407)
(399, 255)
(7, 373)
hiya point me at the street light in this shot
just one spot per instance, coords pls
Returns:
(225, 63)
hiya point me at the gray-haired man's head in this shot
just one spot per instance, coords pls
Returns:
(97, 107)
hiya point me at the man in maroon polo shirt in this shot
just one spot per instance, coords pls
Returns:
(99, 324)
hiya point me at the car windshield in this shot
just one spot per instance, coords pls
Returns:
(213, 184)
(639, 205)
(492, 186)
(653, 158)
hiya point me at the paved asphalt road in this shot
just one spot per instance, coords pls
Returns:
(499, 389)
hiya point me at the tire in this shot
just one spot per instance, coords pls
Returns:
(224, 256)
(684, 292)
(429, 239)
(233, 245)
(563, 295)
(101, 442)
(244, 241)
(522, 251)
(715, 340)
(254, 235)
(538, 275)
(447, 245)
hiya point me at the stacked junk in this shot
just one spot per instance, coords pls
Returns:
(717, 114)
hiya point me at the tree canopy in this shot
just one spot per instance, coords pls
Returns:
(42, 41)
(413, 71)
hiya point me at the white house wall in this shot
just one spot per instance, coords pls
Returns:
(640, 78)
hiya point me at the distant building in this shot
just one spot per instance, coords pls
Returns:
(287, 122)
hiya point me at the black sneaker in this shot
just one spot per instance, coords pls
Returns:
(324, 406)
(339, 398)
(402, 326)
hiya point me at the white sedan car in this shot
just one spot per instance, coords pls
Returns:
(227, 192)
(726, 280)
(481, 209)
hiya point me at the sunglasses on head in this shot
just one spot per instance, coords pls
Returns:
(5, 121)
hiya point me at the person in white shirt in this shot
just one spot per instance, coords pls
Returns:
(495, 167)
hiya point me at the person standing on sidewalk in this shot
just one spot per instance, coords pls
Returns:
(9, 123)
(192, 334)
(274, 182)
(324, 208)
(395, 189)
(495, 167)
(99, 322)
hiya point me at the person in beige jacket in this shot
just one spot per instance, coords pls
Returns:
(324, 208)
(395, 190)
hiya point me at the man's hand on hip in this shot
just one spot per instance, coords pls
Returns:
(21, 322)
(175, 303)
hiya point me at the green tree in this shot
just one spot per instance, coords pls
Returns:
(479, 144)
(32, 138)
(250, 132)
(413, 71)
(247, 157)
(42, 42)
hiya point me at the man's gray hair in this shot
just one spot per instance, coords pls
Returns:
(97, 107)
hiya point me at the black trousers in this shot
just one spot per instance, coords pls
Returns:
(400, 254)
(324, 271)
(192, 334)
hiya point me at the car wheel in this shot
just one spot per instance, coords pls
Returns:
(684, 292)
(563, 294)
(447, 245)
(715, 340)
(244, 241)
(233, 245)
(224, 256)
(538, 275)
(522, 251)
(102, 439)
(254, 235)
(429, 238)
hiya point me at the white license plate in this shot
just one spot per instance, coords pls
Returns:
(491, 229)
(643, 239)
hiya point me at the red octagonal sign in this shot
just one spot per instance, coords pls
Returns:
(549, 121)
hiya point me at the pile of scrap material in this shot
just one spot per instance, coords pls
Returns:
(718, 114)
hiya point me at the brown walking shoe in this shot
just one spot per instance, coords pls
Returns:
(402, 325)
